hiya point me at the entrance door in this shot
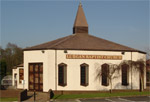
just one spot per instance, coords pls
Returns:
(36, 76)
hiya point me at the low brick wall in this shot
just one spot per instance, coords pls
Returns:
(84, 92)
(23, 95)
(9, 93)
(148, 84)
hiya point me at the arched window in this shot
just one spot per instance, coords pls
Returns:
(84, 74)
(62, 74)
(105, 73)
(125, 74)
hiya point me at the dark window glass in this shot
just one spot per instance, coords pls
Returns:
(125, 74)
(62, 73)
(105, 73)
(84, 74)
(21, 75)
(15, 76)
(83, 82)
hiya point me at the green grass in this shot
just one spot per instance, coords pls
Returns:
(8, 99)
(96, 95)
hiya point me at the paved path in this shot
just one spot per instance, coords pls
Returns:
(66, 100)
(40, 97)
(120, 99)
(116, 99)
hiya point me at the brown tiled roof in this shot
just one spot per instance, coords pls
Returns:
(20, 65)
(82, 42)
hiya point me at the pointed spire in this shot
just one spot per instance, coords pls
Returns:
(80, 24)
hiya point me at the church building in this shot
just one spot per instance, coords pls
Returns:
(74, 63)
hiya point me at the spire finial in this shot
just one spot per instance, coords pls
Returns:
(80, 4)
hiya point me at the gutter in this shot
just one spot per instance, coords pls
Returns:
(26, 49)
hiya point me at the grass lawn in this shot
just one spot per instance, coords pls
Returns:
(96, 95)
(8, 99)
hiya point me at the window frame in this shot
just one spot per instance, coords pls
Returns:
(64, 66)
(125, 82)
(105, 68)
(21, 75)
(86, 66)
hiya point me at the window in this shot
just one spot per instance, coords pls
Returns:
(84, 74)
(15, 76)
(62, 74)
(20, 75)
(105, 73)
(125, 74)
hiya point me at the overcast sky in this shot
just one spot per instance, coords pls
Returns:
(27, 23)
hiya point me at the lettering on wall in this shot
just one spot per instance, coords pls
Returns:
(109, 57)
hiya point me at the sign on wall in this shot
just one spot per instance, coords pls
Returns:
(109, 57)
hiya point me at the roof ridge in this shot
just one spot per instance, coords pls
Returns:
(62, 41)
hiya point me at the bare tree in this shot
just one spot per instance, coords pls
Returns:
(111, 74)
(139, 66)
(113, 71)
(148, 53)
(12, 55)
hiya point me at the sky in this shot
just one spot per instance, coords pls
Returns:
(32, 22)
